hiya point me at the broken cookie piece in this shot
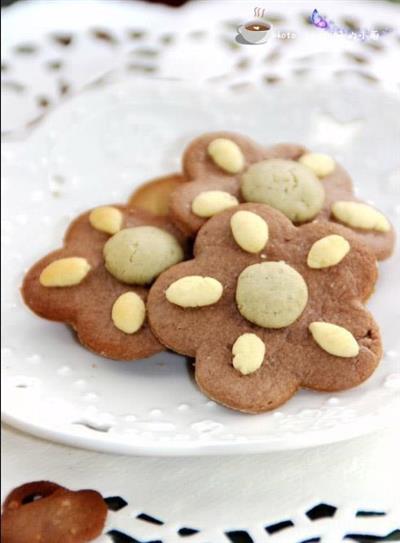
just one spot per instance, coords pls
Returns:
(49, 513)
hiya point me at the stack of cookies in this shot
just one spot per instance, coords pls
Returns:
(255, 261)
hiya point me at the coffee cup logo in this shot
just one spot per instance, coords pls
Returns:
(255, 31)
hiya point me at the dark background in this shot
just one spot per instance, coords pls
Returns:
(169, 2)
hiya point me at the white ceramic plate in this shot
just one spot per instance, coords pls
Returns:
(96, 149)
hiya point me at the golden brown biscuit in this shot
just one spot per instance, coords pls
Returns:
(154, 195)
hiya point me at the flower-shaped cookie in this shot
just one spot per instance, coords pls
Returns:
(98, 282)
(266, 308)
(224, 168)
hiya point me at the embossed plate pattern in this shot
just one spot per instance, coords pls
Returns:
(96, 148)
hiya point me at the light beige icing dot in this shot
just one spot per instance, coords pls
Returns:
(128, 312)
(248, 353)
(359, 215)
(107, 219)
(321, 164)
(226, 154)
(138, 255)
(210, 202)
(249, 230)
(328, 251)
(271, 294)
(194, 291)
(65, 272)
(334, 339)
(285, 185)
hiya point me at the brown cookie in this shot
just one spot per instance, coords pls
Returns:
(154, 195)
(46, 512)
(98, 282)
(293, 295)
(304, 186)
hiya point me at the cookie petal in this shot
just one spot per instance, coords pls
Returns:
(320, 370)
(184, 329)
(381, 242)
(353, 276)
(98, 330)
(182, 199)
(338, 186)
(57, 303)
(271, 385)
(217, 233)
(198, 161)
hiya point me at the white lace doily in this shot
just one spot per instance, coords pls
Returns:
(271, 498)
(62, 53)
(52, 50)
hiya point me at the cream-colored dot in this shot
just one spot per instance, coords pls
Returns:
(328, 251)
(361, 216)
(128, 312)
(107, 219)
(248, 353)
(271, 294)
(321, 164)
(138, 255)
(334, 339)
(210, 202)
(249, 230)
(285, 185)
(226, 154)
(194, 291)
(65, 272)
